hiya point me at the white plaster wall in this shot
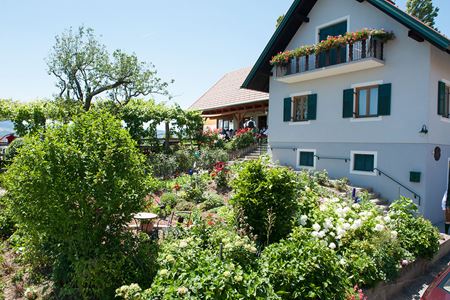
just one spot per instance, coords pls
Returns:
(406, 67)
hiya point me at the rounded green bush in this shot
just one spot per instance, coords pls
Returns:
(74, 188)
(303, 268)
(267, 199)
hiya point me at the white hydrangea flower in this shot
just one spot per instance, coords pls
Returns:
(182, 290)
(303, 220)
(346, 209)
(357, 224)
(394, 234)
(379, 227)
(183, 244)
(321, 234)
(328, 223)
(346, 226)
(227, 274)
(238, 278)
(356, 206)
(316, 227)
(342, 261)
(332, 246)
(315, 234)
(387, 219)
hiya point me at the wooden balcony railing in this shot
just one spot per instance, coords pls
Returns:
(369, 48)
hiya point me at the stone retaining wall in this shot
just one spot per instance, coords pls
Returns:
(408, 274)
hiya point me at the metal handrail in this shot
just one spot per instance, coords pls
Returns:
(332, 158)
(416, 196)
(283, 148)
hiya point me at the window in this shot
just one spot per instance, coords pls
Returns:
(306, 158)
(300, 108)
(444, 99)
(366, 102)
(363, 162)
(224, 124)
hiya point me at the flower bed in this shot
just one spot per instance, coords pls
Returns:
(323, 248)
(283, 58)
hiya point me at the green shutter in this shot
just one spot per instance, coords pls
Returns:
(384, 99)
(307, 159)
(287, 115)
(364, 162)
(312, 107)
(347, 108)
(441, 99)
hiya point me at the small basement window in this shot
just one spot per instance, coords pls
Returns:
(364, 163)
(306, 159)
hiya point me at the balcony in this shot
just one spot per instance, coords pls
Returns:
(360, 55)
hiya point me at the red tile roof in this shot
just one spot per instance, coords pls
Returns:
(227, 92)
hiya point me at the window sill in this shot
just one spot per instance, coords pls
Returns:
(299, 123)
(364, 173)
(445, 120)
(306, 167)
(368, 119)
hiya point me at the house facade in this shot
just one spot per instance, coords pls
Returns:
(374, 111)
(227, 106)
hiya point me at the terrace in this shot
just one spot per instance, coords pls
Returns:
(334, 56)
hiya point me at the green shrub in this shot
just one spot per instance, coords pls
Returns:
(209, 157)
(212, 201)
(193, 190)
(163, 165)
(192, 268)
(372, 260)
(185, 159)
(169, 199)
(322, 178)
(7, 225)
(184, 205)
(342, 184)
(302, 268)
(267, 198)
(416, 235)
(243, 139)
(73, 189)
(13, 148)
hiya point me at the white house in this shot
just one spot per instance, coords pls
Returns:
(372, 110)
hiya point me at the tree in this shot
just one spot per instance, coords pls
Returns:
(279, 20)
(73, 189)
(424, 10)
(84, 70)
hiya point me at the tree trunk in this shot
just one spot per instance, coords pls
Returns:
(167, 141)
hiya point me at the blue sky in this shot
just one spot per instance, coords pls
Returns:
(194, 42)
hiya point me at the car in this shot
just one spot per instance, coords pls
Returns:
(439, 289)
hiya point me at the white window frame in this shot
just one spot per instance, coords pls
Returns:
(314, 161)
(352, 162)
(361, 85)
(336, 21)
(300, 94)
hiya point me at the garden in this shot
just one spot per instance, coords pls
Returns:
(255, 230)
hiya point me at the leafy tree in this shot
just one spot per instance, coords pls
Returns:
(424, 10)
(267, 198)
(73, 189)
(279, 20)
(84, 69)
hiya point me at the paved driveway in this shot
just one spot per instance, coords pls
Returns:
(418, 287)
